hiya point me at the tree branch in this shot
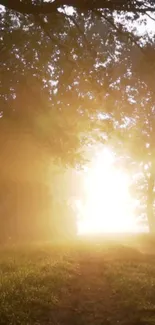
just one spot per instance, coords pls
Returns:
(152, 18)
(81, 32)
(64, 47)
(52, 7)
(124, 33)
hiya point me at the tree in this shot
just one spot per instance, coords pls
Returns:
(138, 133)
(41, 44)
(50, 86)
(44, 8)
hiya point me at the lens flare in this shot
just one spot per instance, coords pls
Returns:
(108, 205)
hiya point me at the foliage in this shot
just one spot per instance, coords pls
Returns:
(62, 70)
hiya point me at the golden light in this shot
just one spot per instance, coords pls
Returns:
(108, 205)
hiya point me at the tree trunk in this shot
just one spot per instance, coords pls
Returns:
(150, 202)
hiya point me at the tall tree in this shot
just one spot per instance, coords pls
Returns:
(62, 69)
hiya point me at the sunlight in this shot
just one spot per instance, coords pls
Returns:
(108, 205)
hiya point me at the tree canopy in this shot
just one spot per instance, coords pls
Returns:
(35, 7)
(76, 72)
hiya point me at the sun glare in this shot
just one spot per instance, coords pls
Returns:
(108, 206)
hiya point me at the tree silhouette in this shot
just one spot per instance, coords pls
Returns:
(61, 69)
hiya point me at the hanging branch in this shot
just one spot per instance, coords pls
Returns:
(87, 5)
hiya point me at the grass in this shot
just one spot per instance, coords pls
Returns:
(92, 281)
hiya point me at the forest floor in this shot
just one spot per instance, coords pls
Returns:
(95, 281)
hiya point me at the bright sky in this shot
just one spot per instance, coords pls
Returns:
(142, 27)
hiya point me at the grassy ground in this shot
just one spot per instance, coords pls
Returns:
(93, 281)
